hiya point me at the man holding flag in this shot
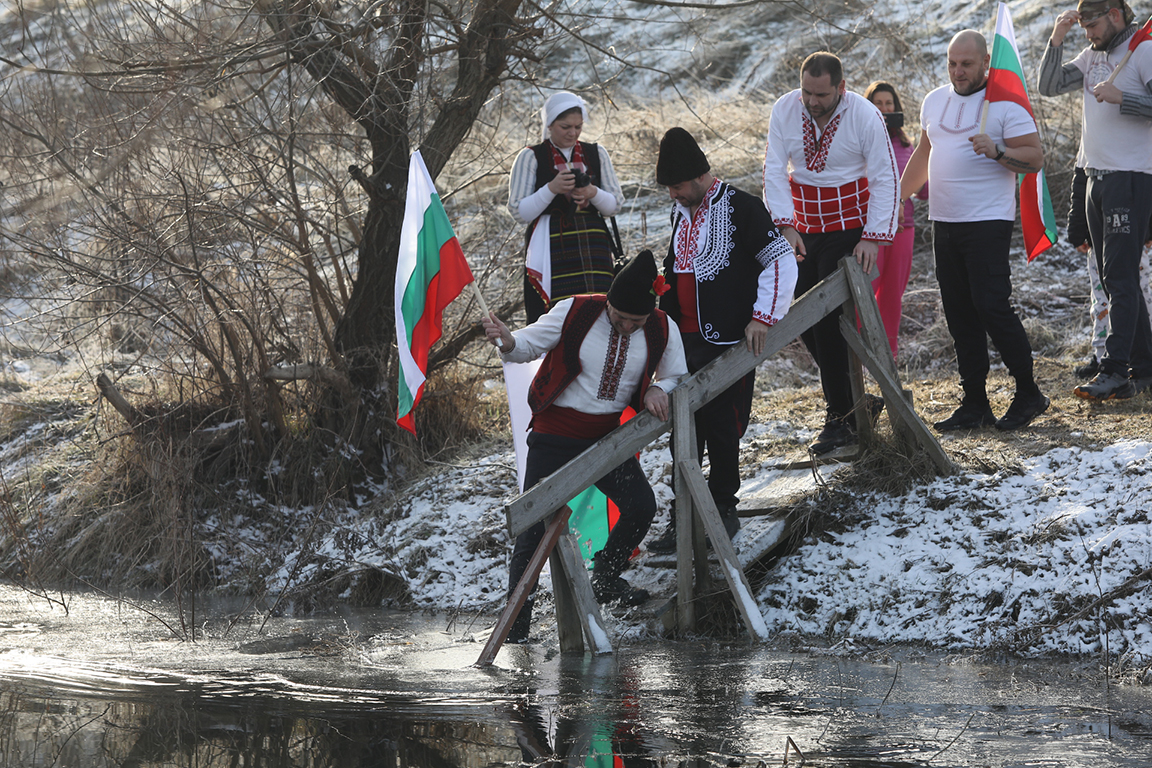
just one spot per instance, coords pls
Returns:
(974, 142)
(1115, 74)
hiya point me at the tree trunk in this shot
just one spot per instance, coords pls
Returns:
(379, 96)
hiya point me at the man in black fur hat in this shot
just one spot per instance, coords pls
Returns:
(732, 275)
(601, 354)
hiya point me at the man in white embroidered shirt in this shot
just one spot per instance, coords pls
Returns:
(601, 354)
(830, 185)
(971, 165)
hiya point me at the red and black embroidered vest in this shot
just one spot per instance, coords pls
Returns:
(561, 365)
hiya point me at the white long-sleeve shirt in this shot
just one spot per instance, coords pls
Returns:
(526, 203)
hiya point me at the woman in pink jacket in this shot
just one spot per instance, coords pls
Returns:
(895, 260)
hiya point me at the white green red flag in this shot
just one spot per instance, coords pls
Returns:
(1006, 83)
(430, 272)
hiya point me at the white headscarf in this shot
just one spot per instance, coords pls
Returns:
(557, 104)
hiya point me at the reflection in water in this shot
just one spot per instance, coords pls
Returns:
(399, 691)
(607, 737)
(192, 728)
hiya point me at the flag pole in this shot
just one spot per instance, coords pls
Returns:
(984, 108)
(1138, 37)
(483, 307)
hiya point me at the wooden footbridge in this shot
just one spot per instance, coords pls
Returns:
(580, 624)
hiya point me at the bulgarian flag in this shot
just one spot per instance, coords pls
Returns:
(1006, 83)
(430, 272)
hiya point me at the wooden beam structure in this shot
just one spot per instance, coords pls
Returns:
(849, 289)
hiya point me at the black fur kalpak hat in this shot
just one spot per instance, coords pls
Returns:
(680, 158)
(634, 288)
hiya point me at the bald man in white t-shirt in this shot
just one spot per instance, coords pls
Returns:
(972, 171)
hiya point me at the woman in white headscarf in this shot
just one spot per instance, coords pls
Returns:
(562, 189)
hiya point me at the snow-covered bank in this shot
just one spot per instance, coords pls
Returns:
(1019, 560)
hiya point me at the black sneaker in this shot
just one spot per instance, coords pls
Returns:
(1106, 386)
(666, 544)
(1022, 410)
(1089, 369)
(617, 590)
(967, 417)
(730, 519)
(1140, 383)
(518, 633)
(836, 434)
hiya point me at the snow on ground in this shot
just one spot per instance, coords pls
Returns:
(967, 562)
(987, 560)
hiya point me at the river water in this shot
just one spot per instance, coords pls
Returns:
(87, 680)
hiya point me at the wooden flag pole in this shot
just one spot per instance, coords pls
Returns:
(483, 307)
(479, 298)
(984, 109)
(1138, 37)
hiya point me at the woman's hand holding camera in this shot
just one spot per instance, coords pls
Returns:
(563, 183)
(576, 184)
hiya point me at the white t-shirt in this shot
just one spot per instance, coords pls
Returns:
(1108, 138)
(967, 186)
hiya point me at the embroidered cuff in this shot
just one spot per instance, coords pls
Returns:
(879, 237)
(760, 317)
(789, 222)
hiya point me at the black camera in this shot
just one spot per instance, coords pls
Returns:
(895, 120)
(582, 179)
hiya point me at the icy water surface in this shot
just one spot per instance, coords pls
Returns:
(119, 683)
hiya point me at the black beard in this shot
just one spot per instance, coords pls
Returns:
(974, 88)
(828, 111)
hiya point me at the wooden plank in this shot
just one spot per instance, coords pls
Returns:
(729, 564)
(844, 455)
(568, 627)
(860, 411)
(871, 324)
(562, 486)
(591, 621)
(876, 338)
(516, 600)
(684, 446)
(897, 405)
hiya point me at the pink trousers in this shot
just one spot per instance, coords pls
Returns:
(895, 264)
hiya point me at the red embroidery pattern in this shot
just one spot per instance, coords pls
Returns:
(561, 164)
(767, 317)
(816, 153)
(830, 209)
(614, 364)
(688, 233)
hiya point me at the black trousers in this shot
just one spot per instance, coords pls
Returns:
(976, 288)
(626, 485)
(721, 423)
(824, 340)
(1118, 206)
